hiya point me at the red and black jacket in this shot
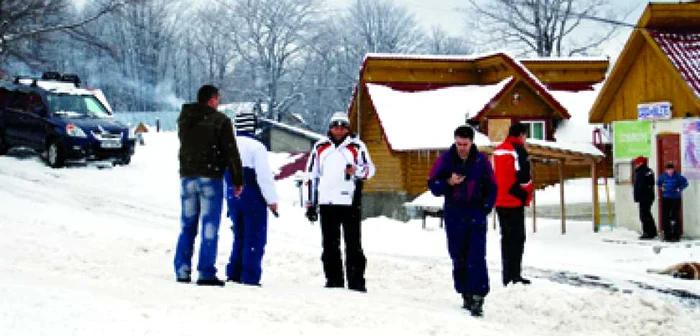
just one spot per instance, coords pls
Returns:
(513, 174)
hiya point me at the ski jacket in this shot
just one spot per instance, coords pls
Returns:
(326, 171)
(477, 191)
(513, 175)
(207, 144)
(643, 189)
(257, 174)
(672, 185)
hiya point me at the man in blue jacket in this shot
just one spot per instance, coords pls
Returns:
(465, 178)
(672, 184)
(249, 211)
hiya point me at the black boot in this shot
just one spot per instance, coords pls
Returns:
(522, 281)
(334, 284)
(210, 282)
(477, 306)
(467, 301)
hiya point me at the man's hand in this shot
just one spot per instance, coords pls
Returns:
(273, 209)
(455, 179)
(350, 170)
(311, 214)
(237, 191)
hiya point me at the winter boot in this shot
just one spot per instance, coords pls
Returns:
(477, 306)
(522, 281)
(210, 282)
(467, 301)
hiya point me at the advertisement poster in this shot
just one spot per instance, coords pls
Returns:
(631, 139)
(691, 149)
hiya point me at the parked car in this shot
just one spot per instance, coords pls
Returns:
(55, 117)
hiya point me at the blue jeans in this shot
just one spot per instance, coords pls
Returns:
(203, 197)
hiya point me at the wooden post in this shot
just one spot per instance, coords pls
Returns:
(596, 202)
(561, 196)
(534, 197)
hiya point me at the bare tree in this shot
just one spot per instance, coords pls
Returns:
(25, 24)
(269, 35)
(382, 26)
(440, 42)
(545, 27)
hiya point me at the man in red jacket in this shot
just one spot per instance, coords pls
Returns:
(515, 187)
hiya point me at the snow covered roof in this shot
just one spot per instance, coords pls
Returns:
(683, 49)
(578, 148)
(427, 119)
(576, 129)
(306, 133)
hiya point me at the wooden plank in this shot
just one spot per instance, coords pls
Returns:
(561, 197)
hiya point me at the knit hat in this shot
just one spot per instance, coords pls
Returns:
(640, 160)
(339, 119)
(246, 121)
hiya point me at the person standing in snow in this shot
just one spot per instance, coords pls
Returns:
(248, 211)
(515, 188)
(465, 178)
(336, 169)
(672, 184)
(207, 148)
(643, 192)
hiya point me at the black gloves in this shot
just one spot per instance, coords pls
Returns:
(311, 214)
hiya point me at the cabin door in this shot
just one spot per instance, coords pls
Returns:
(668, 150)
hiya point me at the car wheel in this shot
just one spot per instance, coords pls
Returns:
(55, 157)
(125, 160)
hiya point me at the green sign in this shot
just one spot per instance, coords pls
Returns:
(631, 139)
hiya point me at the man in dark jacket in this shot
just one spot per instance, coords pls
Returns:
(207, 149)
(515, 188)
(672, 184)
(465, 178)
(644, 195)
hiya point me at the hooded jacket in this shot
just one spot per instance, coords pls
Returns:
(643, 189)
(207, 144)
(513, 175)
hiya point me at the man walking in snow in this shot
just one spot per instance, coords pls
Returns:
(515, 187)
(643, 192)
(207, 149)
(672, 184)
(336, 168)
(249, 210)
(465, 178)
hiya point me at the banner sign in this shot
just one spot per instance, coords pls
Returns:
(654, 111)
(631, 139)
(691, 149)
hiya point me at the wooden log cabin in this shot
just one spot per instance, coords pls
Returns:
(493, 90)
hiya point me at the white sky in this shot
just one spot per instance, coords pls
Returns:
(87, 251)
(443, 13)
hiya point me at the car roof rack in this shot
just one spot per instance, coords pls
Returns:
(49, 76)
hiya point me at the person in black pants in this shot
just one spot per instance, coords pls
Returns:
(336, 169)
(515, 188)
(672, 184)
(643, 191)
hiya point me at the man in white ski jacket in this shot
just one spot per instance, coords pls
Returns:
(336, 168)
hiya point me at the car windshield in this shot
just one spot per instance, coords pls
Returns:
(77, 106)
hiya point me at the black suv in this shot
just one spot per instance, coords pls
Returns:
(55, 117)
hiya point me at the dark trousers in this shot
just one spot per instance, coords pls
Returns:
(512, 221)
(648, 224)
(466, 243)
(669, 218)
(333, 217)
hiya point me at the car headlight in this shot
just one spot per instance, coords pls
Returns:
(131, 134)
(75, 131)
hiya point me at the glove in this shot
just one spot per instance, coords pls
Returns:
(311, 214)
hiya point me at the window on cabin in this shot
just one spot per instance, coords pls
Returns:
(535, 130)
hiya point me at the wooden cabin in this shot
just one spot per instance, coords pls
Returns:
(658, 68)
(506, 90)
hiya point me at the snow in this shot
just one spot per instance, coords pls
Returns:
(88, 251)
(406, 117)
(585, 148)
(297, 130)
(579, 104)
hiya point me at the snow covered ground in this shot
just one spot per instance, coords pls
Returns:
(88, 251)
